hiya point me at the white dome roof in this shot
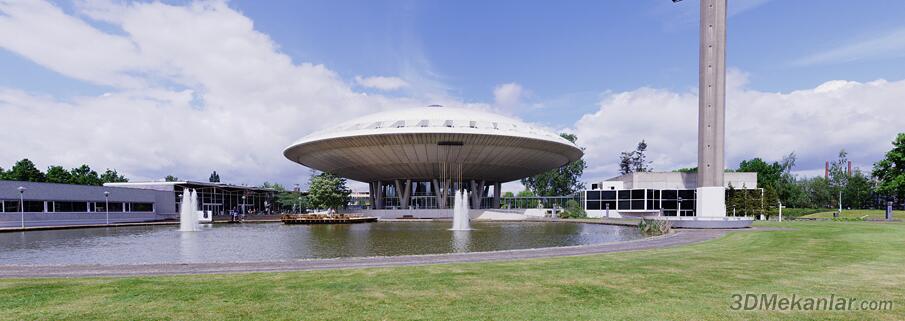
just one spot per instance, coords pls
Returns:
(435, 119)
(422, 143)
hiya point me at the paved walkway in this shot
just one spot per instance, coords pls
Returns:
(680, 237)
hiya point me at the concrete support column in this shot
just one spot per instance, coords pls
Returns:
(438, 193)
(372, 196)
(496, 194)
(711, 195)
(403, 192)
(407, 194)
(477, 189)
(380, 194)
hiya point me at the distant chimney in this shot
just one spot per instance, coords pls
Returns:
(849, 168)
(826, 172)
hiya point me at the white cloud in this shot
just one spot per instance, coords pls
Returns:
(382, 83)
(508, 96)
(885, 45)
(862, 118)
(192, 89)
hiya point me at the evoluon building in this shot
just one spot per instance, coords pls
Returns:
(417, 158)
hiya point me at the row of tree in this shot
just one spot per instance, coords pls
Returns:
(857, 188)
(325, 190)
(25, 170)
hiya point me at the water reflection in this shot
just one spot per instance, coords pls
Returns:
(262, 242)
(460, 241)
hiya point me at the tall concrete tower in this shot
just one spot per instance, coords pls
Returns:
(711, 194)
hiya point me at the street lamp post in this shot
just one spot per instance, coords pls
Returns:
(22, 205)
(679, 211)
(780, 210)
(243, 205)
(107, 205)
(840, 202)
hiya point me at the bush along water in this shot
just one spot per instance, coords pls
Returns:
(573, 210)
(654, 227)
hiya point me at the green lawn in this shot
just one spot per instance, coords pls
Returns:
(850, 259)
(868, 214)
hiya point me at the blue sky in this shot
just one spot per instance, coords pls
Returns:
(186, 87)
(569, 53)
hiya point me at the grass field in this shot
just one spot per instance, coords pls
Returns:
(867, 214)
(849, 259)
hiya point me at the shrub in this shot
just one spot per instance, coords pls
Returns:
(654, 227)
(573, 210)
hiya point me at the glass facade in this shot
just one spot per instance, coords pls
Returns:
(643, 200)
(40, 206)
(220, 200)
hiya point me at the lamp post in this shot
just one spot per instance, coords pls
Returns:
(243, 204)
(22, 205)
(840, 201)
(780, 210)
(107, 205)
(679, 211)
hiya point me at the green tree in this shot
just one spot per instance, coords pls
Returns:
(890, 171)
(770, 202)
(527, 203)
(859, 191)
(326, 190)
(83, 175)
(214, 178)
(818, 193)
(635, 161)
(171, 178)
(286, 200)
(111, 176)
(2, 173)
(58, 174)
(565, 180)
(687, 170)
(25, 170)
(768, 174)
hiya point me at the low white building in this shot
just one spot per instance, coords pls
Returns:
(653, 194)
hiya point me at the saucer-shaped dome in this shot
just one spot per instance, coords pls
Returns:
(428, 142)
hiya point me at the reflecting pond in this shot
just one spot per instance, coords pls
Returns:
(275, 241)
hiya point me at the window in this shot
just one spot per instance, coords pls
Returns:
(624, 195)
(70, 206)
(638, 204)
(34, 206)
(637, 194)
(608, 195)
(142, 207)
(625, 205)
(593, 195)
(593, 205)
(10, 206)
(116, 207)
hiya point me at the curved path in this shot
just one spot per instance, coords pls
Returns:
(680, 237)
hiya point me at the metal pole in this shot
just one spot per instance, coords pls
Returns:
(679, 211)
(780, 211)
(107, 205)
(22, 205)
(840, 202)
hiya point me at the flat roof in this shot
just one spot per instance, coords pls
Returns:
(152, 184)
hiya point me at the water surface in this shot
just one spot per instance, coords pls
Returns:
(275, 241)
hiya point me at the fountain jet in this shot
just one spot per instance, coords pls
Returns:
(460, 212)
(188, 218)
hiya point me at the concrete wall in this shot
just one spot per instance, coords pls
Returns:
(59, 219)
(164, 204)
(674, 180)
